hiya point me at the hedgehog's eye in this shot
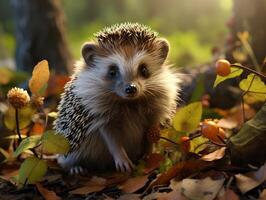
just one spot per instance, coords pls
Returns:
(143, 70)
(113, 71)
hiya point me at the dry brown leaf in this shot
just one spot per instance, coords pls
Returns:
(95, 184)
(153, 161)
(8, 175)
(228, 195)
(129, 197)
(40, 76)
(247, 182)
(180, 171)
(47, 194)
(133, 184)
(201, 189)
(87, 189)
(216, 155)
(263, 195)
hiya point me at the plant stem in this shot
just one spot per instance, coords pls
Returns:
(168, 140)
(17, 125)
(262, 76)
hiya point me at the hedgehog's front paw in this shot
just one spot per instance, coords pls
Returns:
(78, 170)
(123, 163)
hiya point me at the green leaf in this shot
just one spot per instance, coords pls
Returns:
(198, 90)
(187, 118)
(198, 144)
(55, 143)
(28, 143)
(32, 170)
(234, 73)
(24, 115)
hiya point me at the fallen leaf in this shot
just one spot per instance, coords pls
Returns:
(129, 197)
(216, 155)
(153, 161)
(133, 184)
(179, 171)
(201, 189)
(228, 194)
(263, 195)
(227, 123)
(87, 189)
(47, 194)
(95, 184)
(248, 181)
(8, 175)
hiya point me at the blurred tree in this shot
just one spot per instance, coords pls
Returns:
(249, 15)
(40, 35)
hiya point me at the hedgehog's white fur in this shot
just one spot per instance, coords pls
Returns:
(104, 129)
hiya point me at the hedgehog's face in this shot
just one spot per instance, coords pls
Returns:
(126, 72)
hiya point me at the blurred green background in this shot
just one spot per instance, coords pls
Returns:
(193, 27)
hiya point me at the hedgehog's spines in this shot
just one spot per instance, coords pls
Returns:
(126, 33)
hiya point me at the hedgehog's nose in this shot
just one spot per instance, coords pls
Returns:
(131, 89)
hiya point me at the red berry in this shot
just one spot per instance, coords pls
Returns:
(185, 144)
(223, 67)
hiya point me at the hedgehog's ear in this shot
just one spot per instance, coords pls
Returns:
(163, 49)
(88, 51)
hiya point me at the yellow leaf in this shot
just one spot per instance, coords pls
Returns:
(40, 77)
(187, 119)
(255, 87)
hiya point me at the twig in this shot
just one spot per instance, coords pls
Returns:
(262, 76)
(17, 125)
(168, 140)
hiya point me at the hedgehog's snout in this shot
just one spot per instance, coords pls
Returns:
(131, 89)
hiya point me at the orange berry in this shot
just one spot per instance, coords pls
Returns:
(185, 144)
(223, 67)
(210, 130)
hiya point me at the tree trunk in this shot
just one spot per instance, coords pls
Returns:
(249, 15)
(40, 35)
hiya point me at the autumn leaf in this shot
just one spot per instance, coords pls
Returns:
(133, 184)
(47, 194)
(40, 77)
(216, 155)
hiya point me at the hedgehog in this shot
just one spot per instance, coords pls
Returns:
(121, 87)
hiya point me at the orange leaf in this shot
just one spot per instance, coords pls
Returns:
(37, 129)
(56, 84)
(40, 76)
(153, 161)
(134, 184)
(47, 194)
